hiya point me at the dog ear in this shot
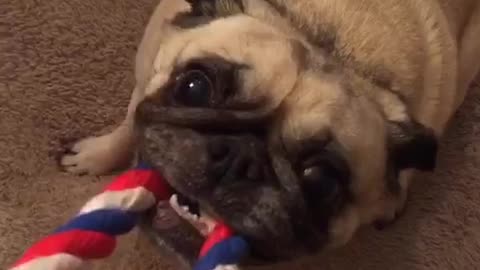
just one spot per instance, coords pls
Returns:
(216, 8)
(412, 145)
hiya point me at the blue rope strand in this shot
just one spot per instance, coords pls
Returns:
(228, 252)
(109, 221)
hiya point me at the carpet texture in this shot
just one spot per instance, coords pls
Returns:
(66, 72)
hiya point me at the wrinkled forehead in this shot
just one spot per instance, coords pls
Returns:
(311, 100)
(272, 59)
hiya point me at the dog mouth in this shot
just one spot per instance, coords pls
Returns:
(193, 213)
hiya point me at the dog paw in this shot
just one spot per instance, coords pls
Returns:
(384, 223)
(94, 155)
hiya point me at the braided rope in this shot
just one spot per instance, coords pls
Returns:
(221, 250)
(114, 212)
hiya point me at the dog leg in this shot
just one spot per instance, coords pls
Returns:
(398, 203)
(100, 155)
(386, 222)
(469, 55)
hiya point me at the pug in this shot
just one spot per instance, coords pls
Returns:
(294, 122)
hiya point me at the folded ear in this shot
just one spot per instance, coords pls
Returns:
(216, 8)
(412, 145)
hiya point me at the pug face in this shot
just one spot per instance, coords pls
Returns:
(272, 137)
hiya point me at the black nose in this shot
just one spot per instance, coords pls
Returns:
(240, 158)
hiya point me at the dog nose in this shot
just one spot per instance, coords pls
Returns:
(237, 159)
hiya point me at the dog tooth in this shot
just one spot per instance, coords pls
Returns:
(203, 224)
(174, 200)
(183, 212)
(174, 204)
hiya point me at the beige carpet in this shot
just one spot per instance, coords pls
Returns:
(66, 72)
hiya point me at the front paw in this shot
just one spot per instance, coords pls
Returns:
(384, 223)
(95, 155)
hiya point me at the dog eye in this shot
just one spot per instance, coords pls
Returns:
(320, 182)
(193, 88)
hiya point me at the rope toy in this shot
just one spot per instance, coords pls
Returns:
(91, 233)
